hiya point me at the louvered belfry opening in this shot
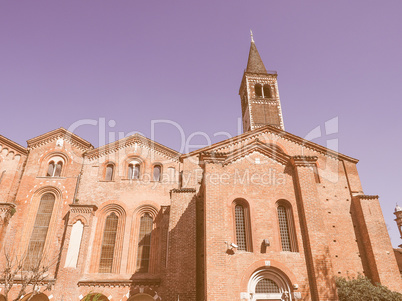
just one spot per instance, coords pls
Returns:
(144, 243)
(108, 244)
(241, 239)
(267, 286)
(40, 230)
(284, 229)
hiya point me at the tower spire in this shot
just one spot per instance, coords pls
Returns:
(254, 64)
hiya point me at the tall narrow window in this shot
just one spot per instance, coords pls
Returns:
(288, 240)
(109, 172)
(157, 172)
(267, 91)
(50, 169)
(133, 171)
(144, 243)
(57, 171)
(40, 229)
(258, 90)
(241, 240)
(108, 244)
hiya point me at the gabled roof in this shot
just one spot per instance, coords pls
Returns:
(131, 140)
(11, 144)
(57, 134)
(269, 129)
(254, 63)
(269, 150)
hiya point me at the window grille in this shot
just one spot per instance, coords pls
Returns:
(240, 228)
(284, 228)
(39, 232)
(108, 244)
(109, 172)
(266, 286)
(157, 173)
(144, 243)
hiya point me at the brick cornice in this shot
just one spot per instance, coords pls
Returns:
(183, 190)
(304, 161)
(238, 140)
(83, 208)
(57, 134)
(131, 140)
(11, 144)
(150, 282)
(367, 197)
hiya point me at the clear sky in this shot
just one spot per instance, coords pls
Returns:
(67, 63)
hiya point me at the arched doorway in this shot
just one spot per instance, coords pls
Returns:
(269, 284)
(141, 297)
(38, 297)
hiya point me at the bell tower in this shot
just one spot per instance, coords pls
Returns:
(260, 103)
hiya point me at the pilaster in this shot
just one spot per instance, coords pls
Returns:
(319, 266)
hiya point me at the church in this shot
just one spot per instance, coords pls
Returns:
(265, 215)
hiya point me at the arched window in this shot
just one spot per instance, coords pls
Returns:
(242, 225)
(40, 229)
(108, 244)
(270, 284)
(258, 90)
(267, 91)
(157, 172)
(286, 228)
(133, 171)
(144, 243)
(109, 172)
(50, 169)
(54, 169)
(266, 286)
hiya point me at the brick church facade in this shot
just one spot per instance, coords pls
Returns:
(265, 215)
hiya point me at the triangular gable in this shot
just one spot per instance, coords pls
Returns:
(217, 147)
(269, 150)
(132, 140)
(60, 133)
(7, 143)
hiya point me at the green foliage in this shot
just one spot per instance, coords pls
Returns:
(361, 289)
(93, 297)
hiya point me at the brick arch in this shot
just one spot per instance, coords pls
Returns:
(102, 214)
(98, 296)
(38, 297)
(78, 218)
(44, 162)
(261, 264)
(140, 290)
(128, 159)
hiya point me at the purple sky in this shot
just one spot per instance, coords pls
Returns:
(138, 61)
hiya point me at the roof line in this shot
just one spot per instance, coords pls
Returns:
(283, 134)
(11, 143)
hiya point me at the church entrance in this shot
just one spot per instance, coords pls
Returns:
(269, 284)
